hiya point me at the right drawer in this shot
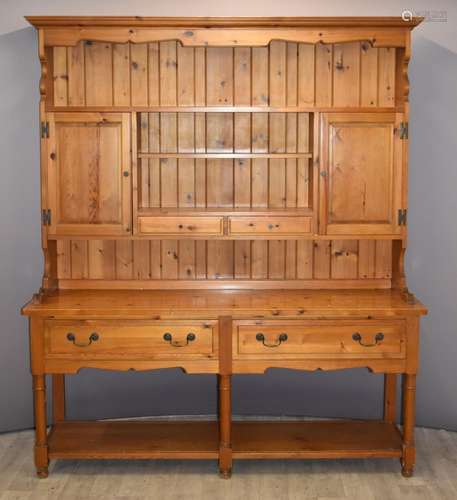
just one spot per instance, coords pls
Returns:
(319, 339)
(266, 226)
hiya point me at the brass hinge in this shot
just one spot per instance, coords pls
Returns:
(402, 216)
(45, 130)
(46, 217)
(404, 133)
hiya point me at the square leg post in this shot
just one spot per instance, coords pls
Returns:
(390, 397)
(58, 398)
(225, 396)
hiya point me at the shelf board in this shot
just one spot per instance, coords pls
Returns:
(223, 156)
(224, 212)
(318, 439)
(134, 439)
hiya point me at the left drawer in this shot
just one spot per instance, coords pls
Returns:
(112, 339)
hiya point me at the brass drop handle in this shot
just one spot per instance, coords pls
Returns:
(379, 337)
(168, 337)
(92, 338)
(260, 337)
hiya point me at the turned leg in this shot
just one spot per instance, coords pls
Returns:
(41, 445)
(409, 417)
(58, 398)
(390, 397)
(225, 447)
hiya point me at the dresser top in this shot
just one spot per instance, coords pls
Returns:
(214, 303)
(235, 22)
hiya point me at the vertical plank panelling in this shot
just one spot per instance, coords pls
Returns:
(323, 74)
(321, 259)
(276, 259)
(143, 164)
(242, 132)
(155, 260)
(186, 183)
(96, 259)
(186, 262)
(259, 260)
(168, 166)
(277, 183)
(219, 183)
(79, 260)
(260, 132)
(153, 74)
(99, 73)
(383, 263)
(291, 260)
(220, 259)
(64, 259)
(109, 260)
(242, 259)
(186, 132)
(186, 79)
(124, 260)
(121, 74)
(346, 74)
(278, 87)
(367, 250)
(200, 260)
(344, 263)
(141, 257)
(60, 76)
(76, 76)
(368, 75)
(168, 73)
(219, 133)
(259, 176)
(169, 259)
(242, 76)
(200, 183)
(154, 164)
(242, 183)
(292, 75)
(386, 74)
(305, 259)
(200, 76)
(219, 76)
(259, 77)
(139, 73)
(306, 74)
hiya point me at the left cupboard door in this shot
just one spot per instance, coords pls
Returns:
(88, 174)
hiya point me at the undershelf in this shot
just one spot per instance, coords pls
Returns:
(199, 440)
(319, 439)
(225, 211)
(134, 439)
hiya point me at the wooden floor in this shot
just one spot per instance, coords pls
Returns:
(380, 479)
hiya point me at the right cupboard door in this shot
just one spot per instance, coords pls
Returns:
(360, 174)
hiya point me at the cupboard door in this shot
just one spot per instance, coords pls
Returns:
(89, 188)
(361, 173)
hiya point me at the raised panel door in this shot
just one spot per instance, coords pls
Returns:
(89, 188)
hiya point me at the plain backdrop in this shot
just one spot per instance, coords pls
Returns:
(431, 259)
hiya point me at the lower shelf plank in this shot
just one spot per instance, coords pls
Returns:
(318, 439)
(127, 439)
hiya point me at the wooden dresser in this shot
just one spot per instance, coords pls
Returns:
(224, 196)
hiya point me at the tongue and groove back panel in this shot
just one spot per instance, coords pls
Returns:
(286, 76)
(168, 74)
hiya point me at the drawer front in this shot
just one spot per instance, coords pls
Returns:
(137, 339)
(180, 225)
(320, 339)
(270, 225)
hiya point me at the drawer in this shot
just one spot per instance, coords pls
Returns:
(109, 339)
(181, 225)
(264, 225)
(320, 339)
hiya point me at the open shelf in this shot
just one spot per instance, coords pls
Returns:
(319, 439)
(224, 212)
(254, 440)
(224, 156)
(134, 439)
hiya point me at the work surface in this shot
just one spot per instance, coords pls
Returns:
(216, 303)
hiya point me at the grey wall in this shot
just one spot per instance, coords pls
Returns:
(431, 259)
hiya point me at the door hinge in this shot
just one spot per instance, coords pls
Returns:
(46, 217)
(402, 216)
(404, 133)
(45, 130)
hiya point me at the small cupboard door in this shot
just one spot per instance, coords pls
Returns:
(89, 188)
(361, 173)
